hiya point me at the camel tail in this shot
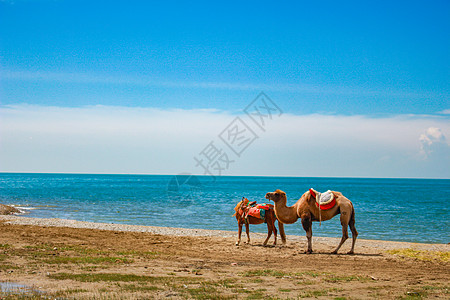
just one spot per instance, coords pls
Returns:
(282, 233)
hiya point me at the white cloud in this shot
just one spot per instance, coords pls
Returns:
(433, 142)
(107, 139)
(130, 80)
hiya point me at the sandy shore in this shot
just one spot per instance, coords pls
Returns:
(372, 244)
(74, 260)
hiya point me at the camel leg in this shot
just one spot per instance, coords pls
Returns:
(269, 233)
(247, 230)
(351, 224)
(344, 224)
(275, 233)
(282, 233)
(307, 225)
(239, 234)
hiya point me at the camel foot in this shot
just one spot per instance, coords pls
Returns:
(309, 251)
(237, 244)
(350, 252)
(334, 252)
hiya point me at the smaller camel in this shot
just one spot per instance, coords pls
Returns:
(308, 211)
(242, 217)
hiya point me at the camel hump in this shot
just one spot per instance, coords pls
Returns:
(325, 200)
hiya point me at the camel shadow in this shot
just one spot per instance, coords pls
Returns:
(263, 246)
(258, 245)
(343, 254)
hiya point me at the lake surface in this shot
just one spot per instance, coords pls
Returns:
(414, 210)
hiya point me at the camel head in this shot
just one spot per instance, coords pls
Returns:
(276, 196)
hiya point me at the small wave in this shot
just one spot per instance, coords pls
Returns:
(22, 209)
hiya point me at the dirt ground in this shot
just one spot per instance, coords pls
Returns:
(70, 263)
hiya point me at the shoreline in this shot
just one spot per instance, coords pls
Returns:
(191, 232)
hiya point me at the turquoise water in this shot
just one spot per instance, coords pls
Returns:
(414, 210)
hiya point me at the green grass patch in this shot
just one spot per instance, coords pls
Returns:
(318, 293)
(8, 267)
(309, 273)
(67, 292)
(86, 260)
(117, 277)
(443, 289)
(413, 295)
(230, 283)
(111, 277)
(305, 282)
(427, 292)
(138, 288)
(146, 254)
(204, 292)
(266, 272)
(335, 278)
(257, 295)
(422, 254)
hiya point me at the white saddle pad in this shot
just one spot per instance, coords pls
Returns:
(324, 198)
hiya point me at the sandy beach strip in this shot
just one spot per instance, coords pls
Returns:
(171, 231)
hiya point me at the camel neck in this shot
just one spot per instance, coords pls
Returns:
(285, 214)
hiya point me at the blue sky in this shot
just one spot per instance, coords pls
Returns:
(362, 65)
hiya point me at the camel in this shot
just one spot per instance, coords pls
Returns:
(307, 210)
(242, 218)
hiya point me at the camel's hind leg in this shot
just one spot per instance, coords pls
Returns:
(269, 233)
(239, 234)
(344, 222)
(351, 224)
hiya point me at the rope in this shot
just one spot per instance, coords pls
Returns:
(320, 211)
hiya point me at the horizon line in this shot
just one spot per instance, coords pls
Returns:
(201, 175)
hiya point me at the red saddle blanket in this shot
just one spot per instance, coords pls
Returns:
(259, 211)
(325, 200)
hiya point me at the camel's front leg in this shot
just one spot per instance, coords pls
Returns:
(247, 230)
(275, 234)
(307, 225)
(282, 233)
(239, 234)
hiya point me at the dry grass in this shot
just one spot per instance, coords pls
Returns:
(443, 256)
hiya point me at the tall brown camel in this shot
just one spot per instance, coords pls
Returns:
(307, 210)
(242, 218)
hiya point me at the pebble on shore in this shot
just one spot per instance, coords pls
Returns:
(8, 210)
